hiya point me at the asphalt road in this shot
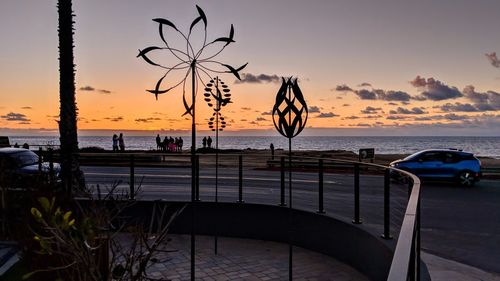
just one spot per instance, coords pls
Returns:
(458, 223)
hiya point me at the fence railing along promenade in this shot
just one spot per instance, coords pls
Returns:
(406, 259)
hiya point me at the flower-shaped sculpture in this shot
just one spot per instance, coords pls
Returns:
(193, 61)
(290, 110)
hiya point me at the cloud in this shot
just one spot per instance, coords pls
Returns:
(326, 115)
(371, 110)
(396, 117)
(267, 113)
(394, 96)
(314, 109)
(434, 90)
(392, 103)
(483, 101)
(260, 119)
(458, 107)
(365, 84)
(115, 119)
(92, 89)
(243, 120)
(366, 94)
(16, 117)
(346, 104)
(147, 120)
(246, 108)
(352, 117)
(251, 78)
(26, 107)
(492, 57)
(87, 88)
(343, 88)
(400, 110)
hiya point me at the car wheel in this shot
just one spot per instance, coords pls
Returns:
(467, 178)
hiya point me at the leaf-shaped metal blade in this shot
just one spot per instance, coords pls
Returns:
(235, 71)
(157, 90)
(165, 22)
(196, 20)
(142, 54)
(202, 15)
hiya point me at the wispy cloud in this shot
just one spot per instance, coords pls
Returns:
(27, 107)
(115, 119)
(326, 115)
(314, 109)
(246, 108)
(415, 110)
(365, 84)
(15, 117)
(435, 90)
(343, 88)
(147, 120)
(257, 79)
(493, 59)
(92, 89)
(371, 110)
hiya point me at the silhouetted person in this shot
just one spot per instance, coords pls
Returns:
(121, 142)
(16, 145)
(209, 142)
(115, 143)
(158, 142)
(181, 143)
(204, 142)
(26, 146)
(272, 151)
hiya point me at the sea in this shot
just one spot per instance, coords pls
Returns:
(480, 146)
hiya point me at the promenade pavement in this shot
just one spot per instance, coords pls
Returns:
(245, 259)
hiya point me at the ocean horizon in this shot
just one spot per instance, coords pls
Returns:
(480, 146)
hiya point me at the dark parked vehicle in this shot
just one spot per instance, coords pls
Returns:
(449, 164)
(18, 166)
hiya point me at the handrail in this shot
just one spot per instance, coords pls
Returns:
(406, 259)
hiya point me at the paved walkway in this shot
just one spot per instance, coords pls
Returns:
(442, 269)
(245, 259)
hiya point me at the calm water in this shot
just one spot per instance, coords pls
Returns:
(482, 146)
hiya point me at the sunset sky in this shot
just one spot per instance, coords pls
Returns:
(365, 67)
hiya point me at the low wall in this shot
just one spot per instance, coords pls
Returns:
(343, 241)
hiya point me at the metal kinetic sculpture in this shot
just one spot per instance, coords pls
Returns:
(217, 101)
(194, 63)
(290, 117)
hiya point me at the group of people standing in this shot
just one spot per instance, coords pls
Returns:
(169, 144)
(118, 142)
(207, 142)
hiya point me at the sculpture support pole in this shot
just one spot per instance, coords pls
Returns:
(290, 246)
(216, 157)
(193, 169)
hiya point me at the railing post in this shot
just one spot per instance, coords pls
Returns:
(132, 177)
(321, 209)
(357, 219)
(240, 179)
(282, 182)
(197, 165)
(40, 159)
(387, 201)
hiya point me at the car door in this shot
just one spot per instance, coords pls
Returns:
(430, 164)
(450, 163)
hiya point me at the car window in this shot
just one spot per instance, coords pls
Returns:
(430, 156)
(25, 158)
(450, 157)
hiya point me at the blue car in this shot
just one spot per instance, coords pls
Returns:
(449, 164)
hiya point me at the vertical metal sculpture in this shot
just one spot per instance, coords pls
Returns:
(217, 100)
(200, 66)
(290, 117)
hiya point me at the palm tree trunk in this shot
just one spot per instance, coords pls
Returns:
(70, 168)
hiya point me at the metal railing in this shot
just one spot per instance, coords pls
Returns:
(406, 260)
